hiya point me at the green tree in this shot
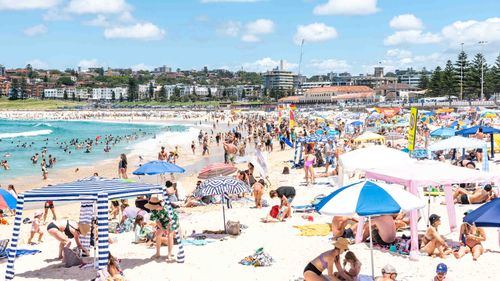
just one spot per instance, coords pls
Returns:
(461, 68)
(424, 81)
(209, 93)
(177, 94)
(473, 81)
(449, 83)
(133, 89)
(163, 93)
(43, 95)
(22, 88)
(14, 91)
(151, 91)
(113, 96)
(65, 95)
(493, 78)
(45, 79)
(65, 80)
(243, 94)
(436, 83)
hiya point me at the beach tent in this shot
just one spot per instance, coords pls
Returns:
(314, 138)
(368, 158)
(369, 136)
(93, 189)
(425, 173)
(486, 130)
(459, 142)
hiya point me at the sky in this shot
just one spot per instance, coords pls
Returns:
(253, 35)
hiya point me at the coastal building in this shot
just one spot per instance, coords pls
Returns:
(2, 70)
(338, 93)
(279, 79)
(109, 93)
(412, 77)
(69, 92)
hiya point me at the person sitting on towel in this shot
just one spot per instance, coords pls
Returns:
(342, 228)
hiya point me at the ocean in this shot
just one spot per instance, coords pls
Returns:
(67, 142)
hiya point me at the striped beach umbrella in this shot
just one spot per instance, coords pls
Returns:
(221, 186)
(7, 201)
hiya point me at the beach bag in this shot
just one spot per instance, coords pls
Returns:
(233, 227)
(71, 258)
(275, 210)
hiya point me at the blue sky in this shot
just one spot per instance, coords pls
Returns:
(339, 35)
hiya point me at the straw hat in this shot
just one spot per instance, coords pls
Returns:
(154, 204)
(342, 244)
(83, 228)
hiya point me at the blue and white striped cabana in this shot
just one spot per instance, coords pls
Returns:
(93, 189)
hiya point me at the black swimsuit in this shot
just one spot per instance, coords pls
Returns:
(67, 230)
(313, 268)
(52, 225)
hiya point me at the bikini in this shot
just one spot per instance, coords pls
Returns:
(67, 230)
(311, 267)
(309, 163)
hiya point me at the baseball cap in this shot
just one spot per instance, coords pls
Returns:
(433, 218)
(441, 268)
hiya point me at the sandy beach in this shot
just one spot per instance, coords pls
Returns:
(219, 259)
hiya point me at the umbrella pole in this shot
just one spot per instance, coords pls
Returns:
(223, 213)
(428, 208)
(371, 245)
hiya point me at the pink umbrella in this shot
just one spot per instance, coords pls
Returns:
(216, 169)
(445, 116)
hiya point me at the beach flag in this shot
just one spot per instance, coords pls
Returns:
(293, 107)
(292, 120)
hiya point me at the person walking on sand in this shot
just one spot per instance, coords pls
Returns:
(45, 173)
(35, 228)
(309, 161)
(166, 225)
(122, 167)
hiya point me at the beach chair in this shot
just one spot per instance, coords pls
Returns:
(4, 244)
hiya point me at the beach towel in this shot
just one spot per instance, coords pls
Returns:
(260, 258)
(20, 252)
(314, 229)
(303, 208)
(196, 242)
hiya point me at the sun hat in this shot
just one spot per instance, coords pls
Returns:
(83, 228)
(342, 244)
(441, 268)
(154, 204)
(37, 214)
(433, 218)
(388, 269)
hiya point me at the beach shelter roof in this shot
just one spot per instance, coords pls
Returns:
(457, 142)
(372, 157)
(473, 130)
(443, 132)
(86, 190)
(487, 215)
(369, 136)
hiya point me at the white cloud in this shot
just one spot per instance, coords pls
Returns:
(86, 64)
(347, 7)
(230, 28)
(139, 31)
(266, 64)
(100, 20)
(98, 6)
(250, 38)
(330, 65)
(315, 32)
(406, 22)
(27, 4)
(230, 1)
(141, 66)
(249, 32)
(472, 31)
(260, 26)
(35, 30)
(398, 53)
(412, 37)
(38, 64)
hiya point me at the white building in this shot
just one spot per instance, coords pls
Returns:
(107, 93)
(58, 93)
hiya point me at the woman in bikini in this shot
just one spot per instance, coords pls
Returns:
(326, 261)
(471, 238)
(309, 161)
(432, 241)
(66, 230)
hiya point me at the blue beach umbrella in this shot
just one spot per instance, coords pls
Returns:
(443, 132)
(368, 198)
(487, 215)
(7, 201)
(158, 167)
(357, 123)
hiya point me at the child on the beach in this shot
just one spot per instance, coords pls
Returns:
(35, 228)
(258, 188)
(143, 233)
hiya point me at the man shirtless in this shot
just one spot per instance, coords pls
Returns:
(231, 150)
(162, 155)
(478, 196)
(383, 230)
(339, 224)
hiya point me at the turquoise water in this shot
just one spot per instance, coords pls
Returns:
(68, 141)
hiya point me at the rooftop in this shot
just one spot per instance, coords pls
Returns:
(340, 89)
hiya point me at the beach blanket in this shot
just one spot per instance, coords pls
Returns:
(314, 229)
(201, 236)
(303, 209)
(20, 252)
(196, 242)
